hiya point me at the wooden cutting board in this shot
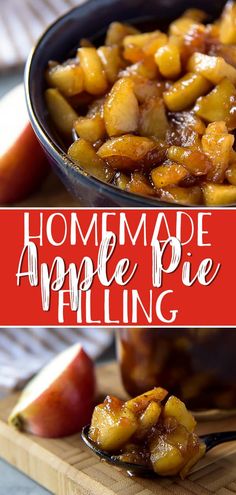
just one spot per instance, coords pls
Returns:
(66, 466)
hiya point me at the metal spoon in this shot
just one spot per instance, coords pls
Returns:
(211, 440)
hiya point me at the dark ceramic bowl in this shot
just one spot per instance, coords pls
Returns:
(88, 21)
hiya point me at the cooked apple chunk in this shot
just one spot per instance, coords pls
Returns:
(145, 89)
(139, 46)
(181, 26)
(126, 151)
(217, 144)
(139, 184)
(83, 154)
(113, 424)
(228, 24)
(219, 104)
(61, 112)
(121, 111)
(149, 431)
(212, 68)
(184, 92)
(111, 61)
(142, 39)
(218, 194)
(95, 81)
(153, 119)
(145, 68)
(69, 79)
(151, 46)
(168, 60)
(117, 32)
(196, 162)
(175, 408)
(90, 128)
(168, 174)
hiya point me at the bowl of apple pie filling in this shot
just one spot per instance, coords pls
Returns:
(139, 111)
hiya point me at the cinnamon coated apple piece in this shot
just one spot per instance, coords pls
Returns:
(228, 24)
(133, 54)
(218, 194)
(219, 104)
(184, 92)
(180, 26)
(145, 88)
(139, 184)
(95, 81)
(212, 68)
(168, 174)
(196, 39)
(146, 68)
(186, 129)
(111, 61)
(61, 112)
(153, 119)
(175, 452)
(121, 111)
(152, 45)
(121, 180)
(117, 32)
(168, 60)
(140, 403)
(139, 46)
(90, 128)
(83, 154)
(196, 162)
(217, 144)
(125, 152)
(175, 408)
(69, 79)
(113, 424)
(143, 39)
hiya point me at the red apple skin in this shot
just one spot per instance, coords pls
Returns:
(22, 167)
(66, 406)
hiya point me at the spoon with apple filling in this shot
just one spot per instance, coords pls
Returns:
(149, 435)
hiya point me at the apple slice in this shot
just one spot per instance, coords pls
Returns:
(23, 164)
(59, 401)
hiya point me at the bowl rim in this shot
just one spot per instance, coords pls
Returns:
(61, 156)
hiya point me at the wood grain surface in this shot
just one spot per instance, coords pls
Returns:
(66, 466)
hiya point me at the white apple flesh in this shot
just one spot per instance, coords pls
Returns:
(23, 163)
(59, 401)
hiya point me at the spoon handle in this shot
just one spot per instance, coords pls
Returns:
(213, 439)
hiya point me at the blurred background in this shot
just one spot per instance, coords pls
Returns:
(23, 351)
(21, 24)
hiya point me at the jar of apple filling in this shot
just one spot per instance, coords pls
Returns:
(196, 365)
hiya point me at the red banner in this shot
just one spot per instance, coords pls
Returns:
(105, 267)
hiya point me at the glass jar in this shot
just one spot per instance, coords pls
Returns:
(197, 365)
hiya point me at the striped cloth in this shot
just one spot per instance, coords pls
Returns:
(21, 24)
(23, 351)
